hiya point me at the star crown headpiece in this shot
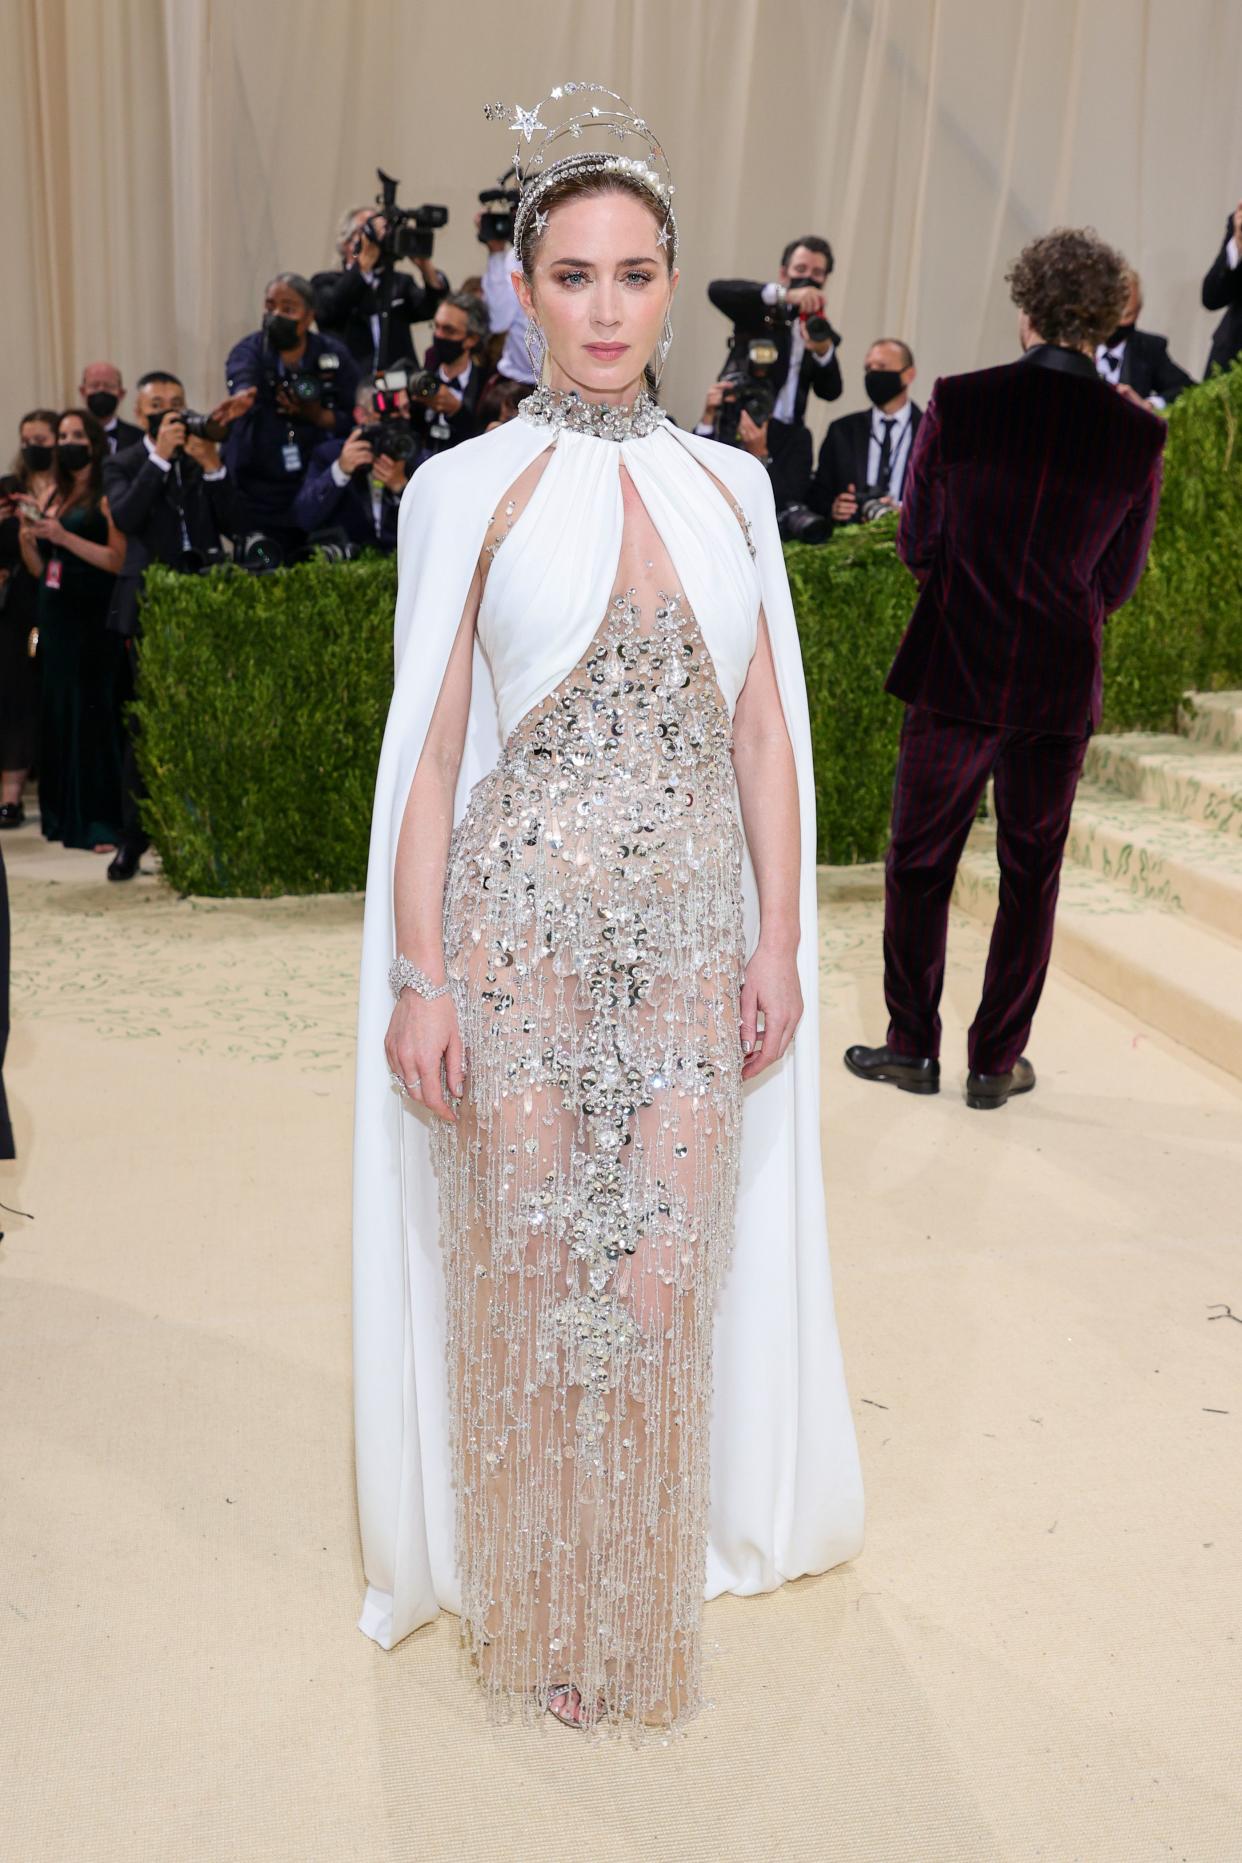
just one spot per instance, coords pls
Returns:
(536, 175)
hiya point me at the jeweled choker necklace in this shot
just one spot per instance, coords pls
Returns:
(561, 407)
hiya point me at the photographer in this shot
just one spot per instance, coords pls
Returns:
(789, 313)
(1222, 291)
(862, 462)
(305, 386)
(357, 483)
(785, 450)
(454, 375)
(505, 315)
(173, 500)
(1139, 360)
(369, 305)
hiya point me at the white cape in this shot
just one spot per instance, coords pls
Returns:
(786, 1488)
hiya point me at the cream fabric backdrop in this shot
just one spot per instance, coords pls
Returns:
(162, 158)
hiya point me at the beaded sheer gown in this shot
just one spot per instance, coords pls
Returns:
(593, 940)
(597, 1376)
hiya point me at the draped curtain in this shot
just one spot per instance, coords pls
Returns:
(163, 158)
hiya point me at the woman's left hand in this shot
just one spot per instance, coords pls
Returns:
(49, 529)
(771, 985)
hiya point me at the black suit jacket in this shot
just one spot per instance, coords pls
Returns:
(345, 304)
(742, 303)
(1222, 290)
(463, 425)
(843, 458)
(142, 500)
(1148, 368)
(322, 504)
(122, 435)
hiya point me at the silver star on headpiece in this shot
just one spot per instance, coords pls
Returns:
(541, 220)
(526, 121)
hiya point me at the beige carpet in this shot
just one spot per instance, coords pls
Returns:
(1036, 1656)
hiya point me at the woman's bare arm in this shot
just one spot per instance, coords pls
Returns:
(767, 784)
(423, 1031)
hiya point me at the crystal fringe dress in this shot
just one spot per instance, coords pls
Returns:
(593, 939)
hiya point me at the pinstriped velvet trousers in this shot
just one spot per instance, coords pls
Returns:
(942, 769)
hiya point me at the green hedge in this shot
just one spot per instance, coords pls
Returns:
(262, 704)
(1183, 629)
(263, 698)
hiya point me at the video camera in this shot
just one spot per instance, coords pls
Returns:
(498, 222)
(408, 231)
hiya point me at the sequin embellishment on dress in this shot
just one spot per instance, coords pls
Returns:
(594, 941)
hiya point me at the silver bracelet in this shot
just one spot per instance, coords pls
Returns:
(403, 973)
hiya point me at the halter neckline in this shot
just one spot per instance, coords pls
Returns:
(565, 408)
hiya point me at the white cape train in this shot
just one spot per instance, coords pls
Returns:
(786, 1488)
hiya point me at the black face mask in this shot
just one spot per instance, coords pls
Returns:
(281, 332)
(38, 458)
(798, 279)
(73, 455)
(447, 349)
(882, 385)
(102, 405)
(1121, 334)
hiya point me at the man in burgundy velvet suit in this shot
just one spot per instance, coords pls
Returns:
(1028, 509)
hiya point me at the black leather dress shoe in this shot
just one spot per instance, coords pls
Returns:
(124, 864)
(12, 814)
(912, 1073)
(985, 1091)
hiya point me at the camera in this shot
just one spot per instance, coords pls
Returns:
(871, 504)
(331, 546)
(408, 231)
(748, 386)
(797, 523)
(197, 426)
(817, 328)
(306, 385)
(497, 222)
(394, 438)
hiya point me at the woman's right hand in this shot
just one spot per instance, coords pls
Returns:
(421, 1034)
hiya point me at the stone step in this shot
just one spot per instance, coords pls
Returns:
(1180, 977)
(1184, 866)
(1195, 781)
(1214, 718)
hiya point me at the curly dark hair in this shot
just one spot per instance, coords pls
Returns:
(1071, 286)
(578, 187)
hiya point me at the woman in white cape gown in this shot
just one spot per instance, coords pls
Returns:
(785, 1484)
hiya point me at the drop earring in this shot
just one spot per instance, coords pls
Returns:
(537, 360)
(663, 346)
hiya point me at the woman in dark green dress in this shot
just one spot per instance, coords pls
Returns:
(76, 550)
(30, 484)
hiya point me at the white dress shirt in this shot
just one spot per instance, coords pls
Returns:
(505, 313)
(1232, 252)
(784, 409)
(899, 449)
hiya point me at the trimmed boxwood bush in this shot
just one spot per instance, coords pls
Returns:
(262, 699)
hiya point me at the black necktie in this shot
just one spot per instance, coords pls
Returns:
(886, 453)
